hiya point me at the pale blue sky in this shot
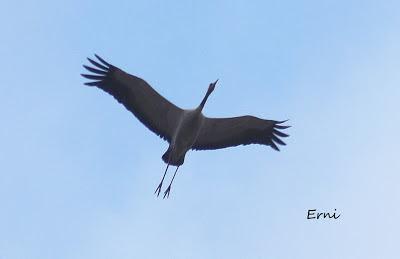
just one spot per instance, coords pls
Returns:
(78, 171)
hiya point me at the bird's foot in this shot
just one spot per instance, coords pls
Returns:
(166, 193)
(158, 190)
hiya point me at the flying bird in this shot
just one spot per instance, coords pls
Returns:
(183, 129)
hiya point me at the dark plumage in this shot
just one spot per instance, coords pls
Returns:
(183, 129)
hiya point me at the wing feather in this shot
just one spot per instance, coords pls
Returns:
(153, 110)
(218, 133)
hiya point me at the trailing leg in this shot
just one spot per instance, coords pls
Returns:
(158, 190)
(166, 193)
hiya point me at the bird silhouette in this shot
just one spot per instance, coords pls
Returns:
(183, 129)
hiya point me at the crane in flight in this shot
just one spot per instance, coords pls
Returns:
(183, 129)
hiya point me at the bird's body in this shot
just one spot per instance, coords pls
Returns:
(183, 129)
(187, 131)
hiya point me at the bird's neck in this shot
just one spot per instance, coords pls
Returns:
(203, 102)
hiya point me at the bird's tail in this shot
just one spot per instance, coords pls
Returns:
(166, 157)
(169, 158)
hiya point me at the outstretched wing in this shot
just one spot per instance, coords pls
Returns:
(153, 110)
(228, 132)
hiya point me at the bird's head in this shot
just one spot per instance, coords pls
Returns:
(211, 87)
(209, 91)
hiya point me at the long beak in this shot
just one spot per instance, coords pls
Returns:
(215, 82)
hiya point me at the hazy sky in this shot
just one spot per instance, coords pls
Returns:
(78, 171)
